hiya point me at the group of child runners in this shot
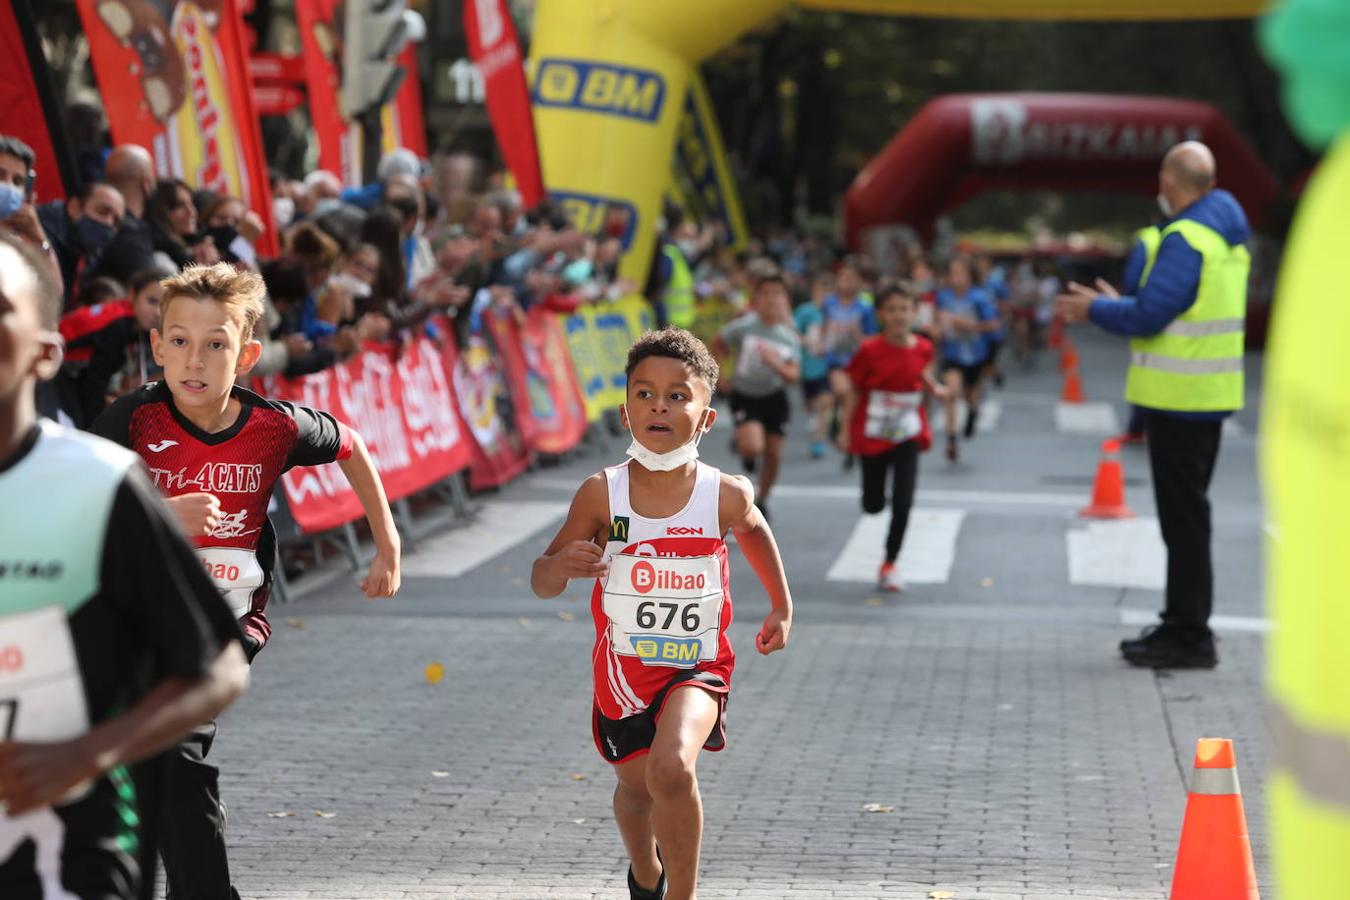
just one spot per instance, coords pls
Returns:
(130, 612)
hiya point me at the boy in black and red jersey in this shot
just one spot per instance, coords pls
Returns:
(216, 450)
(651, 532)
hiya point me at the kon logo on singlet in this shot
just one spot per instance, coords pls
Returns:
(665, 611)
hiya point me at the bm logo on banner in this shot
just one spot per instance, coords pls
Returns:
(601, 88)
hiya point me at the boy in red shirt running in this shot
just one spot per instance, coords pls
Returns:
(216, 451)
(650, 532)
(888, 424)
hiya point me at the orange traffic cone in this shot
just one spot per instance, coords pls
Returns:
(1056, 337)
(1108, 490)
(1214, 858)
(1073, 387)
(1068, 357)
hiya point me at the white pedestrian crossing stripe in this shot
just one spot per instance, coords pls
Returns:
(1119, 553)
(1086, 418)
(1254, 624)
(925, 558)
(497, 528)
(990, 411)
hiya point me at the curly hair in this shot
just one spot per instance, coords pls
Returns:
(677, 344)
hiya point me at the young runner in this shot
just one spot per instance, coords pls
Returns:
(767, 349)
(966, 317)
(887, 422)
(217, 451)
(113, 642)
(650, 532)
(816, 395)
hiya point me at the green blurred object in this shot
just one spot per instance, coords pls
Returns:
(1309, 42)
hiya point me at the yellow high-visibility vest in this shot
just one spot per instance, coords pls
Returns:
(1195, 363)
(1305, 430)
(679, 294)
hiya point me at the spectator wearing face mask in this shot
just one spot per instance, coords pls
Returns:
(131, 171)
(80, 228)
(16, 207)
(234, 229)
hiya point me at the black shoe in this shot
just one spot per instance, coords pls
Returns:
(1196, 654)
(1149, 637)
(972, 415)
(953, 450)
(763, 510)
(657, 893)
(748, 463)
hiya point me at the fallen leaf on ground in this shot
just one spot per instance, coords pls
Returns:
(940, 895)
(577, 776)
(567, 616)
(986, 582)
(437, 773)
(872, 601)
(324, 815)
(434, 673)
(280, 815)
(296, 623)
(578, 821)
(523, 622)
(878, 808)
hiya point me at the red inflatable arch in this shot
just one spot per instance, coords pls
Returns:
(966, 144)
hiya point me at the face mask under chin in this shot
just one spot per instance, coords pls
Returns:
(668, 461)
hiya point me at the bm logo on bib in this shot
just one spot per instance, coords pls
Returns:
(600, 88)
(679, 652)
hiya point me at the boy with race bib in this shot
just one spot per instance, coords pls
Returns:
(651, 533)
(113, 642)
(216, 451)
(887, 423)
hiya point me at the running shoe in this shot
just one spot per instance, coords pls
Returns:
(888, 579)
(763, 509)
(817, 449)
(953, 449)
(637, 893)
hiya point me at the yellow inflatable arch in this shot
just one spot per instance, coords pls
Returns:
(610, 78)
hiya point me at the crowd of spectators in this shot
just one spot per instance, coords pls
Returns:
(376, 262)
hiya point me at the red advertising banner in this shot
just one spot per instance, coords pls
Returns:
(321, 47)
(505, 334)
(28, 104)
(496, 51)
(556, 404)
(489, 410)
(406, 412)
(174, 78)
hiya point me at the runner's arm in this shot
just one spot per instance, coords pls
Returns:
(577, 548)
(384, 577)
(737, 507)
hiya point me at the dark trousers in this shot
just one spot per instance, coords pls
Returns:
(192, 824)
(903, 460)
(1182, 453)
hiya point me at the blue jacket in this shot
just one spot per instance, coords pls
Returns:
(1175, 277)
(1134, 267)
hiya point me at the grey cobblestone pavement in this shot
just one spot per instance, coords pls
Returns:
(1019, 758)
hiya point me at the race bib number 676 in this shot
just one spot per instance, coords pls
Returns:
(666, 611)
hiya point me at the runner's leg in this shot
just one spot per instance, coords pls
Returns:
(750, 442)
(773, 457)
(823, 404)
(906, 461)
(954, 384)
(677, 809)
(633, 813)
(192, 827)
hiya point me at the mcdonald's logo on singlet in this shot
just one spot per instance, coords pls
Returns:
(618, 529)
